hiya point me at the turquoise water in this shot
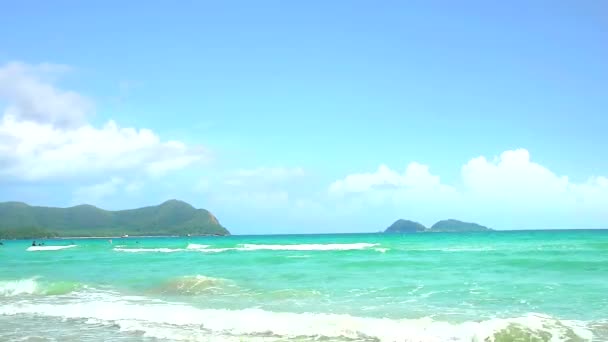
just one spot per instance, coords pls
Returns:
(497, 286)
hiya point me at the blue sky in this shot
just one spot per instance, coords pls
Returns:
(277, 116)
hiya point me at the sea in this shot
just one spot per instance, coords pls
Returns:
(486, 286)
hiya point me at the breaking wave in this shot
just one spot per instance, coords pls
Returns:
(175, 321)
(48, 248)
(300, 247)
(195, 285)
(196, 246)
(34, 286)
(192, 247)
(148, 250)
(310, 247)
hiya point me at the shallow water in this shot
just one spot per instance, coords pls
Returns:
(497, 286)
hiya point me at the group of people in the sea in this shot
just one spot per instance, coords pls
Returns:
(37, 244)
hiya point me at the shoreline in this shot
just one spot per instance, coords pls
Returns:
(130, 237)
(108, 237)
(500, 231)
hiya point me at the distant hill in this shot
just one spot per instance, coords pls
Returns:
(444, 226)
(173, 217)
(457, 226)
(405, 226)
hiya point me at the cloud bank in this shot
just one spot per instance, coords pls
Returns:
(31, 96)
(510, 189)
(45, 135)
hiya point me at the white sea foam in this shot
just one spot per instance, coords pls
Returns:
(35, 286)
(196, 246)
(195, 285)
(190, 247)
(148, 250)
(215, 250)
(309, 247)
(183, 322)
(18, 287)
(193, 247)
(48, 248)
(418, 288)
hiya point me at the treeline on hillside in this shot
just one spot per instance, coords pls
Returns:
(26, 233)
(20, 220)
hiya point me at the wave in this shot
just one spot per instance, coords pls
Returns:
(193, 247)
(147, 250)
(218, 250)
(195, 285)
(196, 246)
(247, 247)
(190, 247)
(34, 286)
(48, 248)
(309, 247)
(182, 322)
(18, 287)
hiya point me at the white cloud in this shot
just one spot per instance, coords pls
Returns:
(513, 177)
(30, 97)
(33, 151)
(96, 192)
(509, 185)
(257, 188)
(512, 180)
(44, 135)
(415, 176)
(415, 187)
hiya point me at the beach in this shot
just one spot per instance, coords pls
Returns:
(494, 286)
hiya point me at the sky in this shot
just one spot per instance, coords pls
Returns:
(310, 116)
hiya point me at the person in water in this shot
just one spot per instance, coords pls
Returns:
(33, 243)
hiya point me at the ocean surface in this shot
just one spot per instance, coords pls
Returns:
(494, 286)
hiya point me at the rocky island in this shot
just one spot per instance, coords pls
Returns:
(405, 226)
(444, 226)
(455, 226)
(173, 217)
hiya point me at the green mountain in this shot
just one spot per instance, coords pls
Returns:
(444, 226)
(455, 226)
(19, 220)
(405, 226)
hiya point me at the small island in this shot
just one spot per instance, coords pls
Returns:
(171, 218)
(443, 226)
(405, 226)
(455, 226)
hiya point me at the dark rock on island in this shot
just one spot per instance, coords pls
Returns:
(444, 226)
(455, 226)
(405, 226)
(173, 217)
